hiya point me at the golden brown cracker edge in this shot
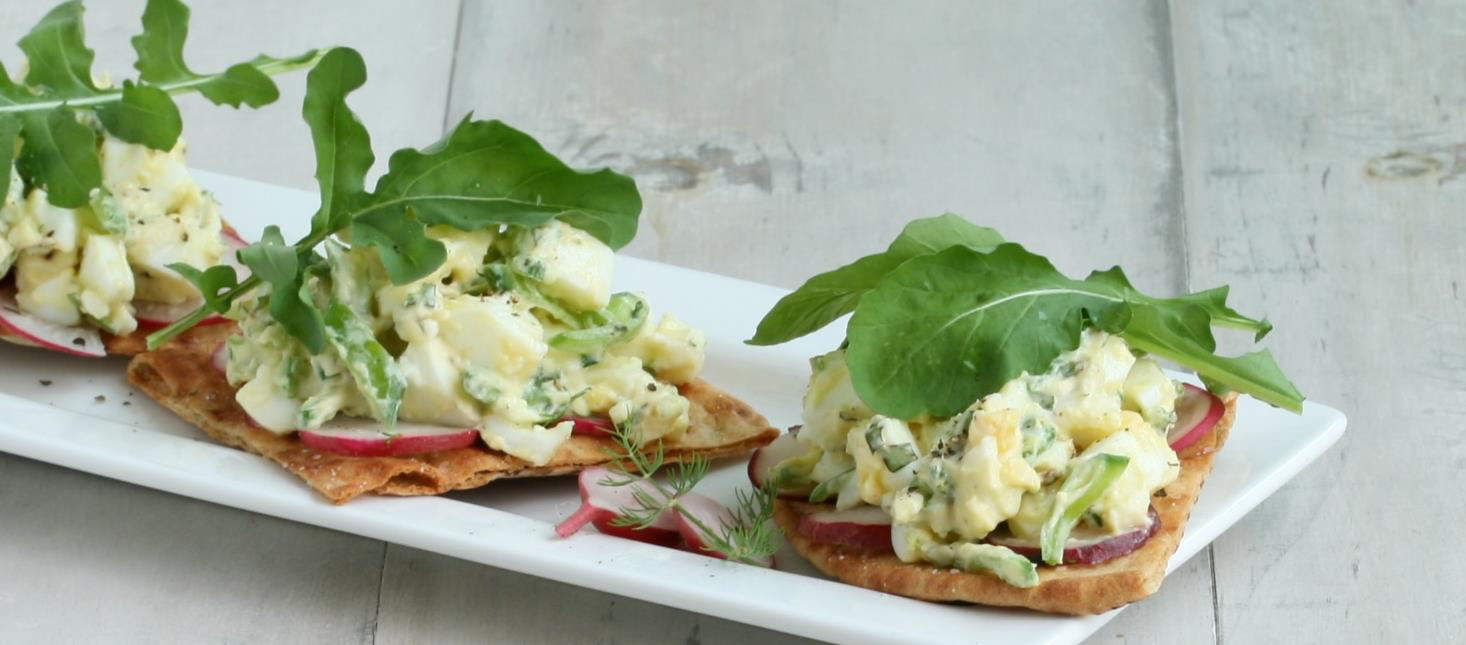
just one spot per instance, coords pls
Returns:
(1068, 589)
(181, 377)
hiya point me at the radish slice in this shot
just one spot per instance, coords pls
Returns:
(601, 501)
(709, 513)
(864, 527)
(1197, 412)
(761, 464)
(355, 437)
(156, 315)
(27, 329)
(590, 426)
(1091, 551)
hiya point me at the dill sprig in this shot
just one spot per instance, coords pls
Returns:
(749, 537)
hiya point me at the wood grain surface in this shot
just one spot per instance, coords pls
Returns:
(1309, 154)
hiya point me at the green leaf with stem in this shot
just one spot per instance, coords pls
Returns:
(212, 283)
(58, 83)
(482, 176)
(828, 296)
(343, 146)
(946, 329)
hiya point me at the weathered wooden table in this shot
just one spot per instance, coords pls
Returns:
(1304, 152)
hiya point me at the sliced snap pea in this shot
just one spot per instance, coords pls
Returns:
(830, 487)
(1000, 561)
(1082, 488)
(376, 374)
(617, 323)
(896, 456)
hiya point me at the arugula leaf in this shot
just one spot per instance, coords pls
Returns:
(402, 242)
(211, 283)
(481, 176)
(270, 258)
(485, 173)
(9, 132)
(946, 329)
(160, 60)
(279, 264)
(59, 153)
(1255, 373)
(56, 155)
(60, 62)
(343, 147)
(936, 234)
(830, 295)
(145, 115)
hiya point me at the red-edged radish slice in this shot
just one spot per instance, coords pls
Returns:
(157, 315)
(1090, 551)
(710, 514)
(356, 437)
(27, 329)
(864, 527)
(1197, 412)
(761, 464)
(600, 501)
(590, 426)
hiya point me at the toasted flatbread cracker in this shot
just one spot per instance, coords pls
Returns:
(181, 377)
(1067, 589)
(137, 342)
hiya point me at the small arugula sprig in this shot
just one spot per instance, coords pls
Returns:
(481, 176)
(750, 538)
(58, 152)
(951, 312)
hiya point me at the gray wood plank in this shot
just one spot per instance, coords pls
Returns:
(1322, 143)
(88, 559)
(408, 48)
(774, 140)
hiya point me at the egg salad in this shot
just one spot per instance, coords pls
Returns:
(517, 332)
(1085, 439)
(87, 265)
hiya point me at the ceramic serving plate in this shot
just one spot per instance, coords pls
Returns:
(81, 414)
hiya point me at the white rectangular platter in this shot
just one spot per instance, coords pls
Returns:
(81, 414)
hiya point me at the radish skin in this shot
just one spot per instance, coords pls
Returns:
(1088, 551)
(1193, 421)
(27, 329)
(590, 426)
(600, 504)
(355, 437)
(865, 527)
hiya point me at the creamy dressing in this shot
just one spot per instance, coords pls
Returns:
(87, 265)
(475, 343)
(999, 464)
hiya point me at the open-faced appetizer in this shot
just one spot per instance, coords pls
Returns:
(459, 328)
(994, 432)
(96, 205)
